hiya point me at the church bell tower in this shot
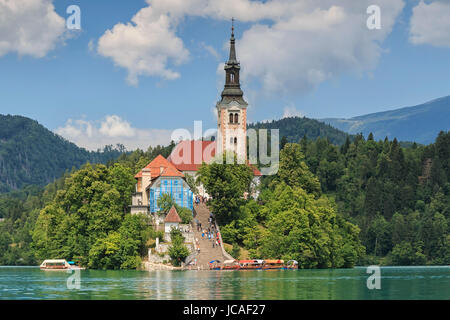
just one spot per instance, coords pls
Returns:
(232, 109)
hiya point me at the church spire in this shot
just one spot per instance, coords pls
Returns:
(232, 58)
(232, 89)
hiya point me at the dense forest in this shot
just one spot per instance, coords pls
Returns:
(395, 200)
(32, 154)
(81, 215)
(295, 128)
(361, 202)
(399, 197)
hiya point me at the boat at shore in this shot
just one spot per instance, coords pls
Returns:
(59, 265)
(254, 264)
(273, 264)
(230, 265)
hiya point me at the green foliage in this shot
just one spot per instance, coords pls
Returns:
(394, 200)
(395, 195)
(294, 172)
(178, 252)
(80, 215)
(236, 251)
(31, 154)
(406, 254)
(308, 230)
(86, 218)
(226, 184)
(185, 214)
(192, 183)
(292, 129)
(165, 202)
(293, 222)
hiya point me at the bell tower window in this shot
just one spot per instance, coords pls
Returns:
(231, 118)
(236, 118)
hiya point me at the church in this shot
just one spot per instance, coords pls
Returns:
(168, 175)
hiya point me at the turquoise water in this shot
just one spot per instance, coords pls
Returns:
(329, 284)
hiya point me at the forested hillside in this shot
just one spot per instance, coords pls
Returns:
(362, 202)
(80, 215)
(399, 197)
(32, 154)
(295, 128)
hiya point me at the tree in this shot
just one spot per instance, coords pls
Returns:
(192, 183)
(178, 252)
(165, 202)
(405, 254)
(226, 184)
(294, 172)
(306, 229)
(86, 219)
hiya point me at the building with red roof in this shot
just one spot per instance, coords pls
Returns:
(168, 175)
(159, 177)
(172, 220)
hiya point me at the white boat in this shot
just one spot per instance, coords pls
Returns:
(58, 265)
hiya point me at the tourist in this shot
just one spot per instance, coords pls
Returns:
(203, 235)
(213, 244)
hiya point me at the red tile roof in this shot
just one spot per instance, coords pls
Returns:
(172, 216)
(200, 151)
(168, 169)
(197, 152)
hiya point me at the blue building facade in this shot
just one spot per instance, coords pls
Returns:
(175, 186)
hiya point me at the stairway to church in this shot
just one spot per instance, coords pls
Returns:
(207, 252)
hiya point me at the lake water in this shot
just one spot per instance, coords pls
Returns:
(329, 284)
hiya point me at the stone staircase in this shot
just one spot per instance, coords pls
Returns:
(207, 252)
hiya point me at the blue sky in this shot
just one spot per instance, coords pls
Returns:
(78, 83)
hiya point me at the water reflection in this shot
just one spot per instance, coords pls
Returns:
(396, 283)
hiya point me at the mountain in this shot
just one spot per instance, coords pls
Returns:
(32, 154)
(421, 123)
(294, 128)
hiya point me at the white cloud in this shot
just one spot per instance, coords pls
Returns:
(29, 27)
(291, 46)
(145, 46)
(93, 135)
(291, 111)
(430, 24)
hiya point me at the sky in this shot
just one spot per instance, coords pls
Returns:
(138, 69)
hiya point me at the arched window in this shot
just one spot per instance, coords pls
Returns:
(232, 77)
(235, 140)
(231, 140)
(236, 118)
(231, 118)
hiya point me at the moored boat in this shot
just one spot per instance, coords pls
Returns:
(214, 265)
(251, 264)
(230, 265)
(58, 265)
(273, 264)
